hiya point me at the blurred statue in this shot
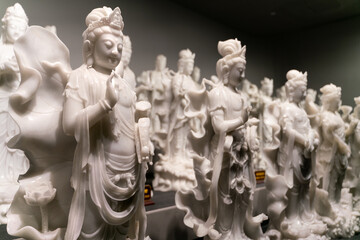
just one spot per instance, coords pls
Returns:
(290, 165)
(174, 170)
(13, 162)
(41, 205)
(220, 205)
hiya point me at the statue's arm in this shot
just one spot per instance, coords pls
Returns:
(221, 125)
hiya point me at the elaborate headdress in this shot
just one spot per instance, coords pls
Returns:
(267, 82)
(329, 92)
(231, 49)
(295, 78)
(15, 12)
(186, 55)
(231, 52)
(100, 17)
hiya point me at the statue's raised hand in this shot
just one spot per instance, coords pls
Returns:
(111, 95)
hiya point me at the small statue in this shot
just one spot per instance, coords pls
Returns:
(174, 170)
(109, 164)
(220, 206)
(333, 151)
(352, 178)
(333, 202)
(13, 162)
(264, 99)
(290, 165)
(161, 98)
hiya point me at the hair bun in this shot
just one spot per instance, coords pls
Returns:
(97, 14)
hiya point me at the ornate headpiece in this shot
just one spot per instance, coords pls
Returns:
(266, 82)
(104, 17)
(294, 77)
(186, 55)
(16, 12)
(231, 49)
(330, 91)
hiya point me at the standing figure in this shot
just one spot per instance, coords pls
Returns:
(220, 206)
(290, 165)
(353, 172)
(13, 162)
(108, 170)
(331, 201)
(174, 171)
(265, 131)
(333, 151)
(161, 98)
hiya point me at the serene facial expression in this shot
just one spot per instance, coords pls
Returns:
(107, 51)
(236, 74)
(14, 29)
(188, 67)
(332, 104)
(299, 93)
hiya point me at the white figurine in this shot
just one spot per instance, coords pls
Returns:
(109, 165)
(290, 164)
(174, 170)
(129, 75)
(13, 162)
(161, 98)
(220, 206)
(36, 211)
(352, 179)
(333, 151)
(333, 202)
(264, 99)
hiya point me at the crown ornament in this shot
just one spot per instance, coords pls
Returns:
(231, 49)
(15, 12)
(186, 55)
(113, 20)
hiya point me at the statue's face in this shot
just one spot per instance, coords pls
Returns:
(188, 67)
(299, 93)
(15, 28)
(236, 74)
(107, 51)
(268, 89)
(160, 63)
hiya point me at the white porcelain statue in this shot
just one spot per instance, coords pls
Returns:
(220, 206)
(13, 162)
(174, 170)
(333, 202)
(290, 165)
(112, 149)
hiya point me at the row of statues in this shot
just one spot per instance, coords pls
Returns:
(82, 140)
